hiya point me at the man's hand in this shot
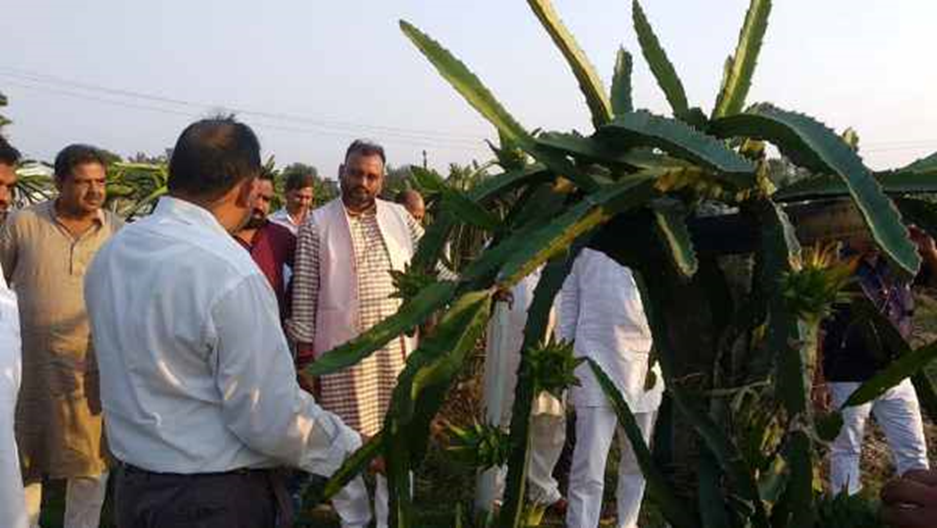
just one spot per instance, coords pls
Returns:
(377, 465)
(305, 356)
(504, 295)
(820, 394)
(911, 501)
(926, 246)
(309, 384)
(925, 243)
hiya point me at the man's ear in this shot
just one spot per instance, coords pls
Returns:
(341, 171)
(247, 192)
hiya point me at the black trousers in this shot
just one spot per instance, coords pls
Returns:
(238, 499)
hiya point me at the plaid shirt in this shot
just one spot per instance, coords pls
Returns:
(360, 394)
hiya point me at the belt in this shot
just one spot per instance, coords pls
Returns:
(130, 468)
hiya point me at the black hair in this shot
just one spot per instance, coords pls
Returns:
(363, 147)
(74, 156)
(299, 180)
(212, 156)
(8, 155)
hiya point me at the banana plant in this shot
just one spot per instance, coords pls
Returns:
(33, 183)
(685, 200)
(134, 188)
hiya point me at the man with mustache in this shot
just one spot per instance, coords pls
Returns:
(9, 158)
(271, 245)
(341, 288)
(45, 250)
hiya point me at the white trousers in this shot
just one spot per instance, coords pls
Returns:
(547, 437)
(353, 504)
(84, 497)
(595, 429)
(899, 415)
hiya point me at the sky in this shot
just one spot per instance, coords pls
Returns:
(310, 76)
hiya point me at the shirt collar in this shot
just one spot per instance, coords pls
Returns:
(187, 212)
(99, 217)
(371, 211)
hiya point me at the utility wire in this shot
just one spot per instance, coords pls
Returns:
(55, 80)
(473, 148)
(418, 137)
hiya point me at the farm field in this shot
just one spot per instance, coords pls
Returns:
(441, 483)
(732, 227)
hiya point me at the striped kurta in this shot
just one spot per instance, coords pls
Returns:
(360, 395)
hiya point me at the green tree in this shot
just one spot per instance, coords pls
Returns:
(158, 159)
(3, 120)
(396, 179)
(325, 189)
(299, 168)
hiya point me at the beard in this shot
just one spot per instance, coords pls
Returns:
(357, 197)
(242, 224)
(255, 221)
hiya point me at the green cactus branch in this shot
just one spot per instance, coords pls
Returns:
(812, 145)
(621, 84)
(589, 81)
(741, 67)
(660, 65)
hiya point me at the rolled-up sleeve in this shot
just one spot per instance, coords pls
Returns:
(263, 404)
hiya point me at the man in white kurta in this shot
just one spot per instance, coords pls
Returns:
(505, 337)
(601, 310)
(12, 498)
(341, 288)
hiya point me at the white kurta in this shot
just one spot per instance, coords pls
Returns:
(505, 337)
(601, 310)
(12, 501)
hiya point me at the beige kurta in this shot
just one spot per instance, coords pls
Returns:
(58, 431)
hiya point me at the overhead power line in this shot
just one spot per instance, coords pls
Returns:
(261, 124)
(416, 135)
(411, 136)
